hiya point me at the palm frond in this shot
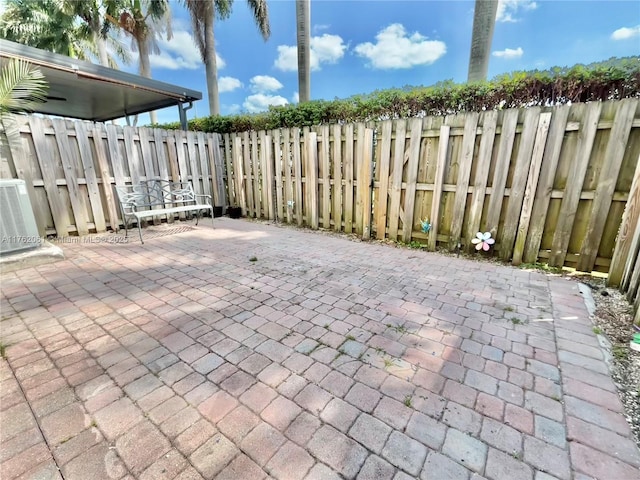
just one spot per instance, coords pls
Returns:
(261, 15)
(22, 87)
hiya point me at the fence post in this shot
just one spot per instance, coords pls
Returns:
(628, 235)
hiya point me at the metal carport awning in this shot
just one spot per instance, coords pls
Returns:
(87, 91)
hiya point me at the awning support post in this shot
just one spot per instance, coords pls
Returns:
(183, 114)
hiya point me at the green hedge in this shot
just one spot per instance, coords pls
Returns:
(609, 80)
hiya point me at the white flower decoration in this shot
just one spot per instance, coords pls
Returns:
(483, 241)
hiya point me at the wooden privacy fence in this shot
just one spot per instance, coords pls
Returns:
(550, 184)
(70, 168)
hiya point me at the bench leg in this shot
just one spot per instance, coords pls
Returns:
(140, 232)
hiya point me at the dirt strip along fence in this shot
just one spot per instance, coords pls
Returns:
(70, 168)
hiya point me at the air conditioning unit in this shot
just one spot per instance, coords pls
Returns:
(18, 229)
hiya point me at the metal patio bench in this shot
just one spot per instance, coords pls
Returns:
(151, 198)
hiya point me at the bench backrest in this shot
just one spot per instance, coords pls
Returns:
(154, 193)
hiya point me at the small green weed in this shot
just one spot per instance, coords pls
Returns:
(253, 259)
(3, 350)
(407, 400)
(540, 266)
(350, 337)
(620, 352)
(516, 321)
(388, 363)
(401, 329)
(597, 330)
(509, 308)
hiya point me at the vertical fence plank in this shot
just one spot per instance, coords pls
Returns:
(348, 176)
(464, 174)
(542, 198)
(193, 162)
(204, 165)
(216, 167)
(78, 206)
(383, 190)
(267, 175)
(86, 156)
(256, 173)
(277, 171)
(24, 171)
(628, 229)
(147, 159)
(337, 178)
(172, 163)
(530, 188)
(575, 181)
(441, 165)
(359, 159)
(133, 159)
(107, 189)
(231, 174)
(240, 183)
(253, 204)
(311, 147)
(117, 162)
(264, 178)
(288, 184)
(507, 137)
(481, 177)
(297, 172)
(326, 178)
(613, 157)
(396, 178)
(519, 181)
(365, 182)
(412, 178)
(159, 141)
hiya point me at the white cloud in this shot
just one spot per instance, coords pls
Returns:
(324, 49)
(625, 33)
(228, 84)
(260, 102)
(320, 27)
(178, 53)
(264, 83)
(509, 53)
(231, 109)
(508, 9)
(295, 98)
(395, 49)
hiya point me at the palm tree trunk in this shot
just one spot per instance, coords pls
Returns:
(145, 68)
(303, 23)
(211, 66)
(484, 19)
(102, 50)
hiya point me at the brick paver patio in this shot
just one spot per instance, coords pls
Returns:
(325, 358)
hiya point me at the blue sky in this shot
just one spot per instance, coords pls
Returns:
(359, 46)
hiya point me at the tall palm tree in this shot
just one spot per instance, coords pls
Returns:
(484, 20)
(53, 25)
(89, 12)
(203, 13)
(44, 24)
(144, 21)
(303, 28)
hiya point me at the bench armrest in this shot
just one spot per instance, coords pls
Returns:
(203, 195)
